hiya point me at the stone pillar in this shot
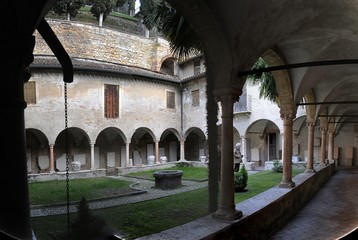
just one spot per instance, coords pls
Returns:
(92, 156)
(182, 150)
(310, 139)
(52, 159)
(330, 145)
(157, 151)
(282, 144)
(14, 59)
(287, 118)
(243, 149)
(323, 147)
(227, 98)
(128, 163)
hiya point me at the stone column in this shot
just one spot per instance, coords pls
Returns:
(14, 59)
(330, 145)
(157, 151)
(182, 150)
(282, 144)
(323, 147)
(310, 138)
(287, 118)
(243, 149)
(227, 98)
(52, 159)
(128, 163)
(92, 156)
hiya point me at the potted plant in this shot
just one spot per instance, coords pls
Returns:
(240, 179)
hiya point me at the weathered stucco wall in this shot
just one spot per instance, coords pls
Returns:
(142, 104)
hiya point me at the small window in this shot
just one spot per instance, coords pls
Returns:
(30, 92)
(111, 101)
(195, 98)
(170, 100)
(196, 66)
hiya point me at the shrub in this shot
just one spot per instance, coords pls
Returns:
(87, 226)
(240, 179)
(184, 164)
(277, 166)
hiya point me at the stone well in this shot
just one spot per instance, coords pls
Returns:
(168, 179)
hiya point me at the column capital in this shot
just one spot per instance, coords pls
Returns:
(225, 94)
(310, 124)
(287, 114)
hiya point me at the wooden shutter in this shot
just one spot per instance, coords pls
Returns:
(30, 92)
(111, 101)
(170, 100)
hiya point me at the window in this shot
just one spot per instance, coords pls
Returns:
(111, 101)
(195, 98)
(170, 100)
(196, 66)
(30, 92)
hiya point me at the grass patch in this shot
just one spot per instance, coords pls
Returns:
(138, 219)
(260, 182)
(189, 173)
(55, 191)
(148, 217)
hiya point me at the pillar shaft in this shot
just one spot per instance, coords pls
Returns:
(14, 205)
(182, 150)
(157, 151)
(52, 159)
(128, 163)
(226, 209)
(92, 157)
(287, 150)
(310, 138)
(243, 149)
(323, 146)
(330, 145)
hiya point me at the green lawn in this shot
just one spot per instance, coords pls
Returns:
(55, 191)
(189, 173)
(144, 218)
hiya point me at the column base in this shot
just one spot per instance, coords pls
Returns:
(287, 184)
(321, 164)
(227, 215)
(310, 171)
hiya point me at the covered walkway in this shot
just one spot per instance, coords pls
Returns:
(331, 214)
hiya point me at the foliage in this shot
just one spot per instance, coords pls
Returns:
(101, 6)
(68, 7)
(182, 38)
(87, 225)
(184, 164)
(277, 166)
(241, 178)
(265, 79)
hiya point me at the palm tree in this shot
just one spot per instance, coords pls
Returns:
(184, 43)
(265, 79)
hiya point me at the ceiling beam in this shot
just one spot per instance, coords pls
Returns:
(298, 65)
(337, 115)
(344, 122)
(321, 103)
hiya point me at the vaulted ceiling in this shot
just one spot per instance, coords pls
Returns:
(237, 33)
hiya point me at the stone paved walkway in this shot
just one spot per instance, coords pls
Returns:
(332, 213)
